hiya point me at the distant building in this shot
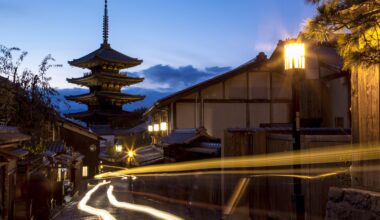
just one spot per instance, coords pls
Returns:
(105, 99)
(81, 140)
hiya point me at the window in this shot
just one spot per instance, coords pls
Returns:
(85, 171)
(59, 174)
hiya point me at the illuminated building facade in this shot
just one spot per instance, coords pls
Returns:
(258, 94)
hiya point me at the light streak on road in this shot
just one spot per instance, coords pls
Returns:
(82, 205)
(236, 196)
(240, 190)
(241, 187)
(304, 157)
(139, 208)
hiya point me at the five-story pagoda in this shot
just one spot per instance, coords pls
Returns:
(105, 99)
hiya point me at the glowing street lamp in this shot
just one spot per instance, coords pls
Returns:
(294, 56)
(295, 63)
(131, 154)
(164, 126)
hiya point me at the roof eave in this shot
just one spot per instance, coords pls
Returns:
(166, 100)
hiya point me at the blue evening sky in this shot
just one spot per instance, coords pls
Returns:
(201, 33)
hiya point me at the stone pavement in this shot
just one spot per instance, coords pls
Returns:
(351, 204)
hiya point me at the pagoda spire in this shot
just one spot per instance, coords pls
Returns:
(105, 25)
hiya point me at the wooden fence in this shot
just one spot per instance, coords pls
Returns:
(271, 197)
(365, 111)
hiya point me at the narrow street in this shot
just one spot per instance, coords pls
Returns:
(99, 200)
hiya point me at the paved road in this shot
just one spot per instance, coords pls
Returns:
(121, 191)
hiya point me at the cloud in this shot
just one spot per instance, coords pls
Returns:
(217, 69)
(160, 81)
(170, 78)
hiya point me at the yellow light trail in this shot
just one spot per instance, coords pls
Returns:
(269, 172)
(110, 166)
(309, 156)
(82, 205)
(140, 208)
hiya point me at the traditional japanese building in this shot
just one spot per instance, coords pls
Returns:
(258, 94)
(105, 99)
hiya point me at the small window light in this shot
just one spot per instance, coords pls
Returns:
(150, 128)
(85, 171)
(119, 148)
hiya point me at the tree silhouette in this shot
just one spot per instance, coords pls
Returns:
(355, 25)
(25, 97)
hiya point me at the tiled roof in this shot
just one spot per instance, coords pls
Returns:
(11, 135)
(106, 54)
(56, 147)
(137, 129)
(19, 152)
(258, 62)
(149, 154)
(184, 136)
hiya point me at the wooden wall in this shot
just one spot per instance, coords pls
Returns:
(256, 97)
(245, 100)
(365, 107)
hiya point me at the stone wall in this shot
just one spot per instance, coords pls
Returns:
(349, 203)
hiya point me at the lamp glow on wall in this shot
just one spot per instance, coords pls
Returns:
(294, 56)
(156, 127)
(164, 126)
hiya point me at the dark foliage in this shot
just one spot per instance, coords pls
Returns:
(355, 24)
(25, 99)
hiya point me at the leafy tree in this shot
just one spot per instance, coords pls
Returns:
(25, 99)
(355, 24)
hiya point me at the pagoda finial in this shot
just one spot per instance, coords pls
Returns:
(105, 25)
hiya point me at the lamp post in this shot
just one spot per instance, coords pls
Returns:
(295, 65)
(131, 156)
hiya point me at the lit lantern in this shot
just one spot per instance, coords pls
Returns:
(156, 127)
(131, 154)
(164, 126)
(150, 128)
(294, 56)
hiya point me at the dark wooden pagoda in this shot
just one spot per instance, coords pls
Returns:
(105, 99)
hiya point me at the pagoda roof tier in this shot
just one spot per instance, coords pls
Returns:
(103, 113)
(95, 98)
(106, 57)
(96, 79)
